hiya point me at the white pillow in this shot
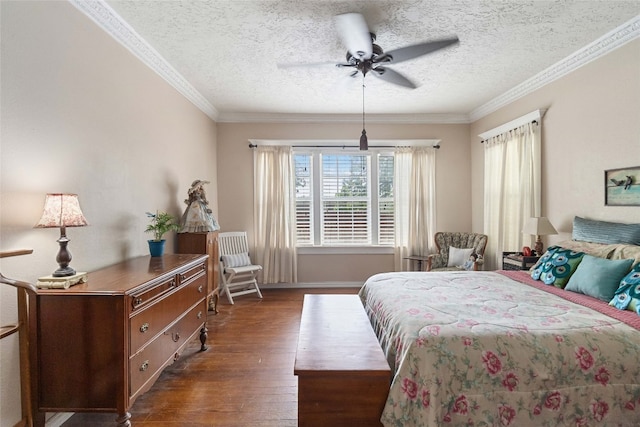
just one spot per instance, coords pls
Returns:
(236, 260)
(457, 256)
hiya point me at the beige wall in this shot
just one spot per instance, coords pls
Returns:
(236, 184)
(80, 114)
(592, 124)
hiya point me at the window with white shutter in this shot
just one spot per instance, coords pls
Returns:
(344, 198)
(386, 209)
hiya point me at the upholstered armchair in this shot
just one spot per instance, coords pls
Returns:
(457, 246)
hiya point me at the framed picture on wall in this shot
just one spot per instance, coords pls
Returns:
(622, 187)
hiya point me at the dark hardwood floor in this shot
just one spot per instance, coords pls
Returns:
(244, 379)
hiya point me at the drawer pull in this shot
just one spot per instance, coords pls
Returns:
(199, 315)
(144, 366)
(144, 327)
(138, 301)
(183, 277)
(200, 289)
(175, 337)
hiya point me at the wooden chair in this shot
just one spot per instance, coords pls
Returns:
(237, 272)
(24, 293)
(445, 240)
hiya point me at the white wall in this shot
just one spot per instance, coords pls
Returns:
(80, 114)
(592, 124)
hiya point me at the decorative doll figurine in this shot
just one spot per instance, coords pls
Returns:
(468, 265)
(198, 217)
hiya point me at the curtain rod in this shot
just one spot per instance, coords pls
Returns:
(343, 146)
(482, 141)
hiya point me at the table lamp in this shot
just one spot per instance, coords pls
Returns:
(62, 210)
(539, 226)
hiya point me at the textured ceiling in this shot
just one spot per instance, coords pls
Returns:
(229, 50)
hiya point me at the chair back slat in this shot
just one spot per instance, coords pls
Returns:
(233, 242)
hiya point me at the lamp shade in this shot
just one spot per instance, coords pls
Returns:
(539, 226)
(61, 210)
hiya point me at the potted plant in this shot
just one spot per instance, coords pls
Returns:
(161, 222)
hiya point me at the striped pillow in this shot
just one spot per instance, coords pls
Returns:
(589, 230)
(236, 260)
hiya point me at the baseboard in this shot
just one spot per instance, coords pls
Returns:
(57, 419)
(311, 285)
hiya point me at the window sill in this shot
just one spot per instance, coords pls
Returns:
(344, 250)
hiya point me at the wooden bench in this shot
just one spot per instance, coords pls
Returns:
(343, 375)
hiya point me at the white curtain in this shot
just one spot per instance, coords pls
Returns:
(415, 202)
(512, 182)
(274, 214)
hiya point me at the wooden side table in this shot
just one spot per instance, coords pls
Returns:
(517, 261)
(418, 261)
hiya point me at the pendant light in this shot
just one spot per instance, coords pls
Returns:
(364, 143)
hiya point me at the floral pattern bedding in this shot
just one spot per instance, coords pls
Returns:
(481, 349)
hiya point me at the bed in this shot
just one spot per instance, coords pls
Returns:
(500, 348)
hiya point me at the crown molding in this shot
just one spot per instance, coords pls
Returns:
(106, 18)
(344, 118)
(605, 44)
(112, 23)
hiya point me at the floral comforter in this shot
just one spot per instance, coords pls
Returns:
(481, 349)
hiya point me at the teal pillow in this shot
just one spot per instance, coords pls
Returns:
(627, 297)
(598, 277)
(536, 270)
(556, 266)
(590, 230)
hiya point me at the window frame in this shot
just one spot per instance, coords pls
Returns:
(373, 186)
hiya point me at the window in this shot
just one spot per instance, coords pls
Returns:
(344, 198)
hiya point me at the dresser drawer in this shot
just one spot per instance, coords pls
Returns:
(144, 297)
(153, 319)
(192, 273)
(155, 356)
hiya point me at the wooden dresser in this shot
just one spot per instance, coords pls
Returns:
(97, 346)
(204, 243)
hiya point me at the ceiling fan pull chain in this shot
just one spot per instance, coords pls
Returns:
(364, 143)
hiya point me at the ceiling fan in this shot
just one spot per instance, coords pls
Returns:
(364, 56)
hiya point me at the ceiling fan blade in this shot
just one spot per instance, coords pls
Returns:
(303, 64)
(390, 76)
(416, 50)
(355, 35)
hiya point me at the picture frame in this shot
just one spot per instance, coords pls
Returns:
(622, 186)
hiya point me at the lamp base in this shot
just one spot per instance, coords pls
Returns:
(51, 282)
(538, 248)
(64, 272)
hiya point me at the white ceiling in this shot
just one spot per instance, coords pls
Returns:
(225, 52)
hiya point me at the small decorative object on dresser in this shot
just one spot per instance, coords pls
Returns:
(62, 211)
(518, 261)
(198, 217)
(622, 187)
(161, 223)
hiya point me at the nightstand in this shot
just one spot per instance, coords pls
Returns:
(517, 261)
